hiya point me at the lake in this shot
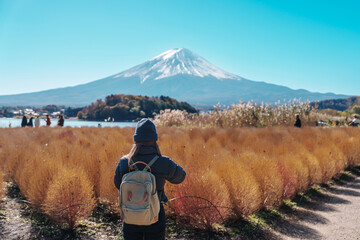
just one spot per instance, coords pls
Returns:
(16, 122)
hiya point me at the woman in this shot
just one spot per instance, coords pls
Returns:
(30, 123)
(145, 149)
(61, 121)
(24, 121)
(354, 122)
(48, 121)
(37, 121)
(297, 121)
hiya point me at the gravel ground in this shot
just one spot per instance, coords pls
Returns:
(342, 220)
(13, 225)
(332, 214)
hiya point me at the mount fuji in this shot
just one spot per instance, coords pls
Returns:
(178, 73)
(179, 61)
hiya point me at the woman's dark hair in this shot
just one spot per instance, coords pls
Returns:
(138, 145)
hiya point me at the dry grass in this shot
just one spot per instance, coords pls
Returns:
(249, 115)
(69, 197)
(236, 169)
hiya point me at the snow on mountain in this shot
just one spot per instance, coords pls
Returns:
(178, 73)
(174, 62)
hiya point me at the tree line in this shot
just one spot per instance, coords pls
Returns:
(121, 107)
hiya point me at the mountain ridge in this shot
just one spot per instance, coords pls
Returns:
(342, 104)
(178, 73)
(173, 62)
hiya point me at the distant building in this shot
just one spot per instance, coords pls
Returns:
(55, 114)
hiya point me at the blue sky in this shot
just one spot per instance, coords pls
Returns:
(314, 45)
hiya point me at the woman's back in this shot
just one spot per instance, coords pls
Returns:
(144, 150)
(163, 169)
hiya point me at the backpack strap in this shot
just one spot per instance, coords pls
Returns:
(151, 163)
(134, 165)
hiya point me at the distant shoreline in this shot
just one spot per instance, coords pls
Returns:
(6, 122)
(73, 119)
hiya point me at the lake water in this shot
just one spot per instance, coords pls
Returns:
(16, 122)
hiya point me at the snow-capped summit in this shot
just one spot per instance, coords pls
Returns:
(178, 73)
(174, 62)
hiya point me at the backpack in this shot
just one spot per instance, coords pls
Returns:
(138, 199)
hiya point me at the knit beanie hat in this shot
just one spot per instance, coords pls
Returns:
(145, 131)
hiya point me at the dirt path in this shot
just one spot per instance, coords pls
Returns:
(12, 224)
(343, 221)
(331, 214)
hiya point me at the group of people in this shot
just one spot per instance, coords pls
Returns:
(30, 123)
(354, 122)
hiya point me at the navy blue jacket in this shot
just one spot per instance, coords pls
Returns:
(163, 169)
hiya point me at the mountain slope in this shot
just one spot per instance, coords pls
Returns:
(177, 73)
(176, 62)
(337, 104)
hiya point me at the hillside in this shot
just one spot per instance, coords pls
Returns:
(122, 107)
(178, 73)
(337, 104)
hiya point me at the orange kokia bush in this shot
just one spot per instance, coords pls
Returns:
(63, 171)
(70, 197)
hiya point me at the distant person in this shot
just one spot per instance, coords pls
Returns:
(37, 121)
(30, 123)
(24, 121)
(48, 121)
(99, 125)
(61, 120)
(354, 122)
(9, 124)
(297, 121)
(146, 152)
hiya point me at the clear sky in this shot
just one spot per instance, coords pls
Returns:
(314, 45)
